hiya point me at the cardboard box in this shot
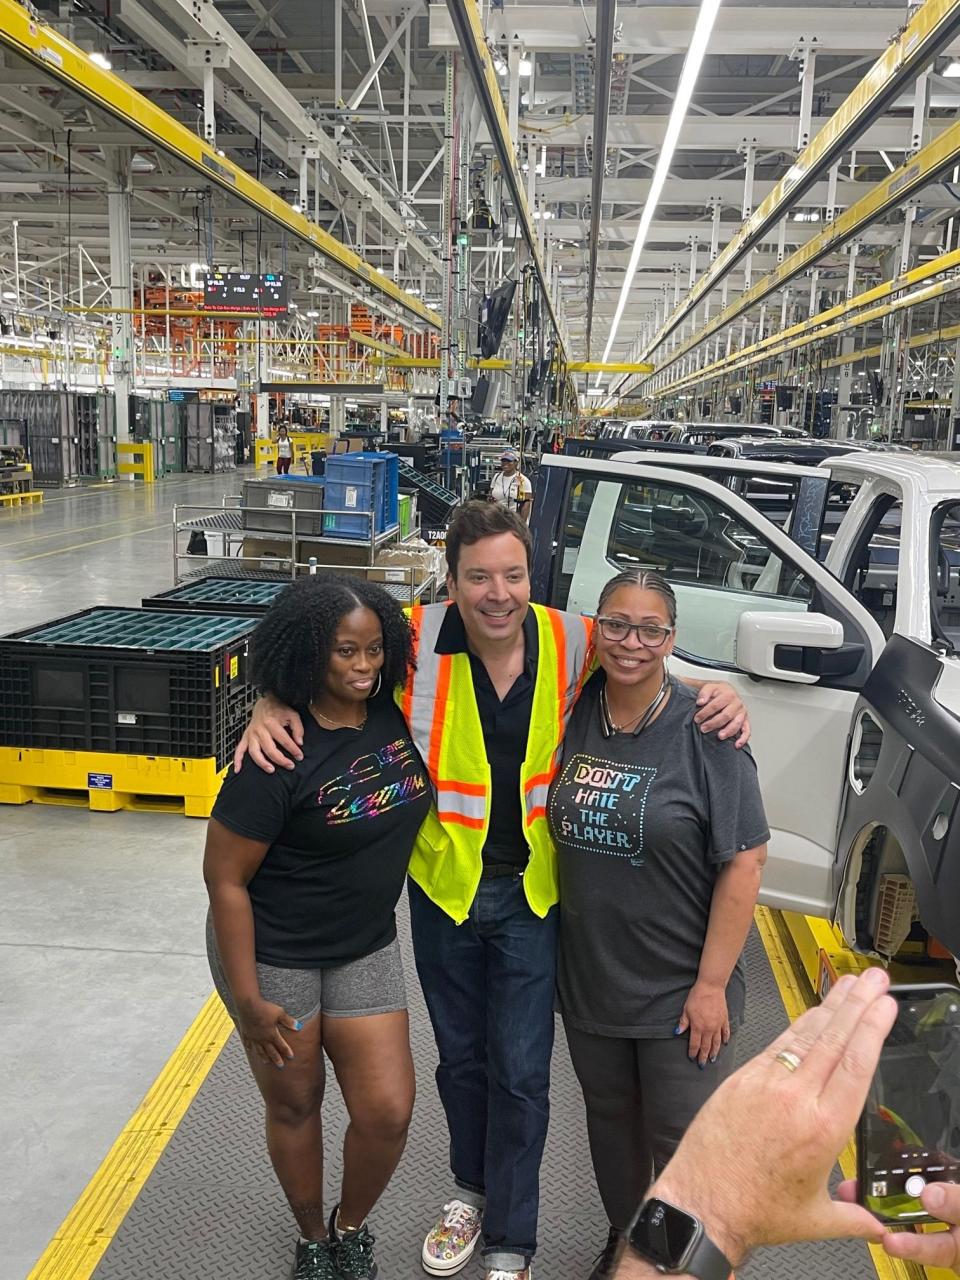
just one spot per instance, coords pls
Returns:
(331, 553)
(394, 564)
(270, 553)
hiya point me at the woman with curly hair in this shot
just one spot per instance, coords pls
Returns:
(304, 868)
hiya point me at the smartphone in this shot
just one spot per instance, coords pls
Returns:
(909, 1132)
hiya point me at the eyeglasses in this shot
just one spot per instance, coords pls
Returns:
(649, 634)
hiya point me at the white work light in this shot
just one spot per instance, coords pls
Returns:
(688, 79)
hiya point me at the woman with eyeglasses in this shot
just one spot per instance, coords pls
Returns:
(661, 840)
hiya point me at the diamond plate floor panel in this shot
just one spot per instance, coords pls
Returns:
(212, 1208)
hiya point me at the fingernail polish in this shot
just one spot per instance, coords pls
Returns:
(298, 1025)
(713, 1059)
(677, 1030)
(279, 1064)
(701, 1065)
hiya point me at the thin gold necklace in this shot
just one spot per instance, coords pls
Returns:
(335, 725)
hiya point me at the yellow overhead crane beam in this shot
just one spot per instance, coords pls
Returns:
(70, 66)
(897, 187)
(818, 325)
(375, 344)
(853, 314)
(931, 27)
(427, 362)
(615, 366)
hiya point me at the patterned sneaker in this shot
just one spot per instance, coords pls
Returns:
(314, 1261)
(525, 1274)
(450, 1244)
(605, 1263)
(353, 1251)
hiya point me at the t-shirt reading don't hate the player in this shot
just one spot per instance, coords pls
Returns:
(642, 825)
(341, 827)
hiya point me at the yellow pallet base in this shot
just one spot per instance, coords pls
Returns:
(106, 782)
(27, 499)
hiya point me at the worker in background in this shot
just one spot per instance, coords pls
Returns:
(284, 450)
(495, 683)
(510, 488)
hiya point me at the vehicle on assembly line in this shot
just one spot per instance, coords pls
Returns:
(829, 596)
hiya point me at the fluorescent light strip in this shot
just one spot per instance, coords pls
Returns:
(688, 79)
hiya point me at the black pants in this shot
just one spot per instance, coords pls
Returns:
(640, 1096)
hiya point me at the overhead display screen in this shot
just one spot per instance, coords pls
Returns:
(262, 295)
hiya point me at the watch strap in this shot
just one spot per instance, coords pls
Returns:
(707, 1261)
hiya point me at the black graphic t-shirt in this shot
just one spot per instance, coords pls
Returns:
(341, 827)
(642, 825)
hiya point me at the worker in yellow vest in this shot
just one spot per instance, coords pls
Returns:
(495, 682)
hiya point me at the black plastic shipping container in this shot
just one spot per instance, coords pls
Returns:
(247, 596)
(138, 681)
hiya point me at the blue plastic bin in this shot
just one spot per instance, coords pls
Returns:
(366, 483)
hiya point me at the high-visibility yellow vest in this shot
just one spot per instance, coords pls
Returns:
(440, 707)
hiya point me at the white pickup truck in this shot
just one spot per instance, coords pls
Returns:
(830, 597)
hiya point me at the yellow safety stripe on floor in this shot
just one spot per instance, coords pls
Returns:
(75, 1251)
(797, 999)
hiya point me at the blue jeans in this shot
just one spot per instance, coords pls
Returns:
(489, 986)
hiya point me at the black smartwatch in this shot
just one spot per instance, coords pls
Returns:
(675, 1242)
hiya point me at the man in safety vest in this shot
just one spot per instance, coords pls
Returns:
(495, 682)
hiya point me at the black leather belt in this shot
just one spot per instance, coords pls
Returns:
(495, 870)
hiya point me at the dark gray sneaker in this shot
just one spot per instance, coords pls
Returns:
(353, 1251)
(315, 1260)
(606, 1262)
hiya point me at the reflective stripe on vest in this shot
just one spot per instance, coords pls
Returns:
(440, 706)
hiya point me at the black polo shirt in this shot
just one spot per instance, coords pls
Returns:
(506, 726)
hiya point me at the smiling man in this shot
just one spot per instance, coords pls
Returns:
(495, 682)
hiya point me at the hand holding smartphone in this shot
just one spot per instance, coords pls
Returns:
(909, 1132)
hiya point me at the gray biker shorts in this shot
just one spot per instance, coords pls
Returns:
(370, 985)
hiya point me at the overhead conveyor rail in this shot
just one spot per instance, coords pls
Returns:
(70, 66)
(864, 308)
(925, 167)
(465, 17)
(931, 28)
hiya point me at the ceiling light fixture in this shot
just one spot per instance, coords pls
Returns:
(525, 66)
(883, 155)
(311, 315)
(688, 79)
(101, 60)
(953, 71)
(296, 207)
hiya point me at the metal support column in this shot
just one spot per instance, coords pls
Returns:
(921, 112)
(805, 54)
(749, 152)
(121, 286)
(209, 109)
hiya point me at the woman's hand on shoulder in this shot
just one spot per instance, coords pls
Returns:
(273, 736)
(259, 1024)
(722, 711)
(705, 1017)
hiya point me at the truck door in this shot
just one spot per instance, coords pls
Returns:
(754, 610)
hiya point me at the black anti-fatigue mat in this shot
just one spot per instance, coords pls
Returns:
(212, 1208)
